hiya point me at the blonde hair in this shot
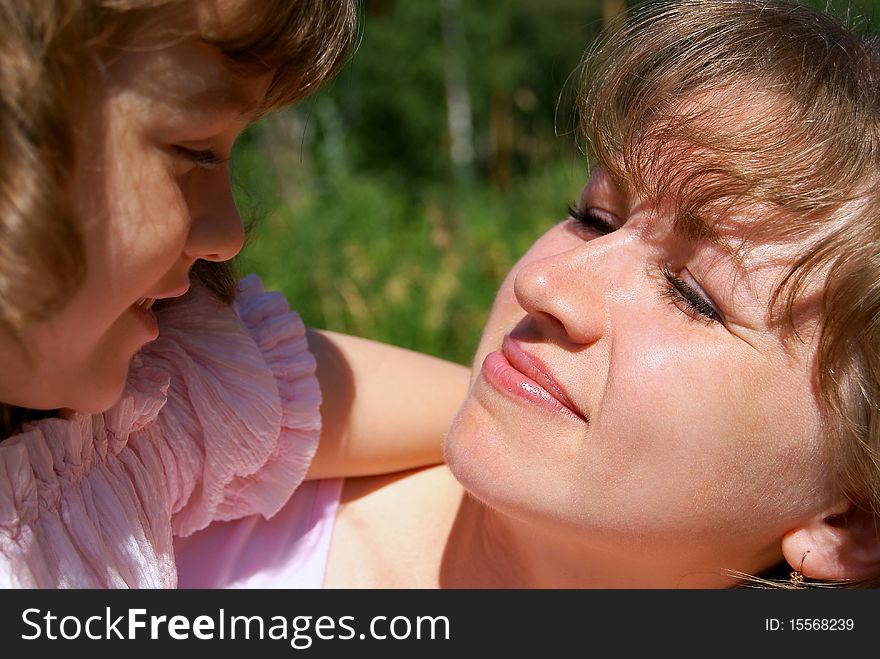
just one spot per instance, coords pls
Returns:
(46, 50)
(722, 104)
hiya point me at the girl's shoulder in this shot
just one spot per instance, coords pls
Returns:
(243, 386)
(391, 529)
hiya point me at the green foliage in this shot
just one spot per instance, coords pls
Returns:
(358, 257)
(390, 100)
(365, 223)
(867, 9)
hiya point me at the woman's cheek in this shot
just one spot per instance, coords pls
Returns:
(663, 386)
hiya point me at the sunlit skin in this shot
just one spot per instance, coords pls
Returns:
(659, 429)
(690, 459)
(151, 191)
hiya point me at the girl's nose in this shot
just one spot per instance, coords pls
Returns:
(567, 293)
(216, 230)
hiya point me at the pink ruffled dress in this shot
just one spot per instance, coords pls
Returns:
(219, 422)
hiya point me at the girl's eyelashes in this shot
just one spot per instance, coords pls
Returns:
(591, 219)
(688, 299)
(204, 158)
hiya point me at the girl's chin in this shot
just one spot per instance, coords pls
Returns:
(101, 391)
(97, 404)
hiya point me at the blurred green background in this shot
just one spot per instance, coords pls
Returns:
(392, 203)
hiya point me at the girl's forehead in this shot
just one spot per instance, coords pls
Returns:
(222, 19)
(187, 75)
(212, 21)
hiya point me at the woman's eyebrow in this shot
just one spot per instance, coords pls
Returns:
(694, 229)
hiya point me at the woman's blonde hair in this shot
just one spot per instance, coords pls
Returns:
(47, 50)
(774, 106)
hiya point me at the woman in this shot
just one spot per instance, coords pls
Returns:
(679, 383)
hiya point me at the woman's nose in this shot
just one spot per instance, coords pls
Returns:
(566, 293)
(216, 230)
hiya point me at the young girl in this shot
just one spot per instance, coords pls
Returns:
(680, 383)
(145, 393)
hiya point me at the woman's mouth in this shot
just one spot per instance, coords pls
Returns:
(516, 374)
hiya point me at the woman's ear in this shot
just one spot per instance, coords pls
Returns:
(836, 546)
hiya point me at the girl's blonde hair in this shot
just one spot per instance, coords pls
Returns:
(771, 106)
(47, 50)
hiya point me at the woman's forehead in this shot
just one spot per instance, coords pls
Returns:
(735, 222)
(738, 150)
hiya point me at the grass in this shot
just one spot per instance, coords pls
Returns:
(417, 268)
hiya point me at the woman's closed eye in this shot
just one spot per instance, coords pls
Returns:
(688, 297)
(593, 220)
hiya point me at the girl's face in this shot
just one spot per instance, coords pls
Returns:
(632, 396)
(151, 190)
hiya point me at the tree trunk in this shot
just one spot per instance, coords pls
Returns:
(458, 100)
(501, 135)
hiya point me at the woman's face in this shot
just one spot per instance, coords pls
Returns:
(151, 192)
(631, 391)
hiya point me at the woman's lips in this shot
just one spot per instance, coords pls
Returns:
(515, 373)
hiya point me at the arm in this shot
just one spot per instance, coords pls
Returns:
(384, 408)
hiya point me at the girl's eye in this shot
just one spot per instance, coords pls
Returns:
(204, 158)
(592, 219)
(689, 300)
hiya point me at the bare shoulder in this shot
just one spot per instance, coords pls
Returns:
(370, 491)
(391, 530)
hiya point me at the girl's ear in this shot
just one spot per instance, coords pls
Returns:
(836, 546)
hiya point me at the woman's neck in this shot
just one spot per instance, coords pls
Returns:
(490, 549)
(423, 530)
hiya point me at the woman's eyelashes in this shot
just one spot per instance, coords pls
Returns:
(592, 219)
(687, 298)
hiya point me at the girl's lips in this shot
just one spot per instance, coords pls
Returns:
(147, 316)
(148, 319)
(510, 381)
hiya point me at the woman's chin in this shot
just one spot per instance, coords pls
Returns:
(459, 447)
(476, 456)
